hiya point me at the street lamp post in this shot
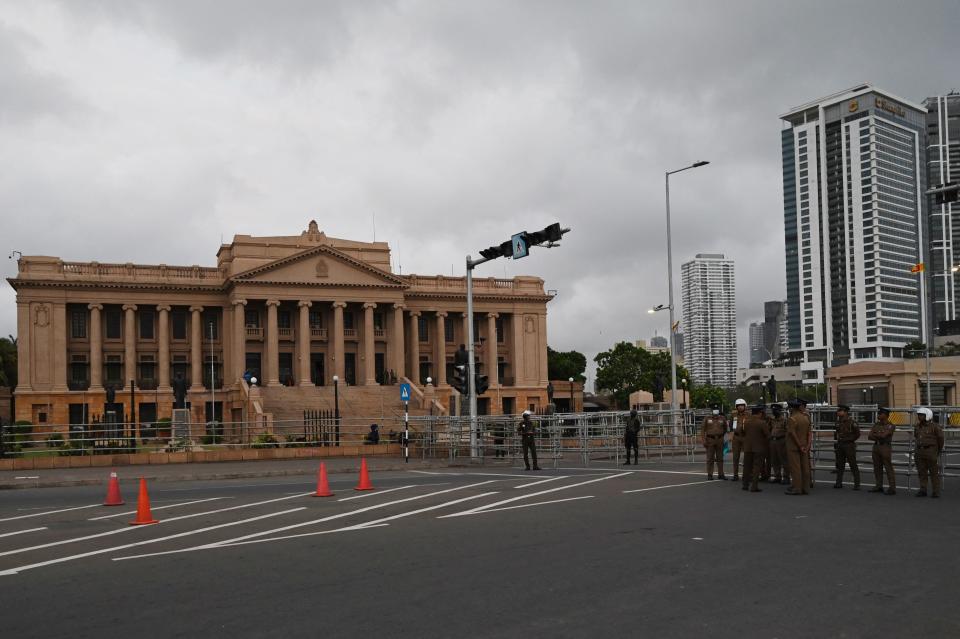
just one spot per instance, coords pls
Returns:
(573, 408)
(336, 410)
(673, 353)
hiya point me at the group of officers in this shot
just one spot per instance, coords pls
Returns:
(776, 448)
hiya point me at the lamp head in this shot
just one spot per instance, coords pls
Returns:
(701, 163)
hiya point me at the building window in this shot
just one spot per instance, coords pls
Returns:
(423, 332)
(146, 324)
(251, 319)
(499, 330)
(78, 324)
(211, 327)
(113, 323)
(316, 319)
(113, 373)
(178, 324)
(378, 321)
(448, 332)
(283, 319)
(347, 320)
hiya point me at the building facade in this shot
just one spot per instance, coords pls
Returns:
(943, 166)
(297, 312)
(854, 212)
(708, 294)
(758, 353)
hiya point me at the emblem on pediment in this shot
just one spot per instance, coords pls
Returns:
(314, 233)
(322, 268)
(41, 316)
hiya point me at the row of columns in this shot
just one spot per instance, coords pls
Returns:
(130, 345)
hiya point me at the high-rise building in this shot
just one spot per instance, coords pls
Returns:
(710, 319)
(659, 341)
(757, 349)
(774, 329)
(854, 203)
(943, 166)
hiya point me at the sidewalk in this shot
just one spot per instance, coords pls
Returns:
(59, 477)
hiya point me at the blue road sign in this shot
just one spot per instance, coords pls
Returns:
(404, 392)
(519, 246)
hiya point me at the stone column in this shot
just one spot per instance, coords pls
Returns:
(272, 346)
(491, 354)
(440, 351)
(516, 355)
(60, 348)
(337, 340)
(415, 348)
(129, 344)
(369, 346)
(96, 347)
(24, 382)
(239, 339)
(196, 349)
(163, 355)
(303, 342)
(397, 341)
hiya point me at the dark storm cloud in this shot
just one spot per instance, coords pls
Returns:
(452, 124)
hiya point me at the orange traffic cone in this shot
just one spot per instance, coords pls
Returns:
(323, 487)
(364, 477)
(143, 507)
(113, 491)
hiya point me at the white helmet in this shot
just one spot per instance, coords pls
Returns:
(926, 412)
(740, 401)
(526, 412)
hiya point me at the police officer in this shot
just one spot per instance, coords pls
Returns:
(737, 421)
(929, 440)
(527, 432)
(845, 446)
(779, 468)
(631, 436)
(755, 435)
(762, 455)
(711, 432)
(798, 448)
(882, 436)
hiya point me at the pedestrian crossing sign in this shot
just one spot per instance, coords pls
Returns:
(404, 392)
(519, 244)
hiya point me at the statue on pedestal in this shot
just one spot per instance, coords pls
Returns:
(179, 392)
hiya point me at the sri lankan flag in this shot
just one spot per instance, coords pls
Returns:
(918, 268)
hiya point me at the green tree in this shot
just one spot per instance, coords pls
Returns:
(626, 368)
(914, 349)
(566, 364)
(706, 395)
(8, 361)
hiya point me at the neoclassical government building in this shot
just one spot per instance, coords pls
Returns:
(294, 311)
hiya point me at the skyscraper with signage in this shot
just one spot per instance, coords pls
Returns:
(854, 211)
(755, 335)
(708, 295)
(943, 166)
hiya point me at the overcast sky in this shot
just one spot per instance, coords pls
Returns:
(147, 131)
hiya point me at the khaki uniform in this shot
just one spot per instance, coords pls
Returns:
(779, 468)
(882, 436)
(798, 434)
(845, 450)
(711, 432)
(527, 431)
(736, 442)
(631, 438)
(755, 433)
(929, 439)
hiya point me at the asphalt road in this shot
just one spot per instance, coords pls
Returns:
(494, 552)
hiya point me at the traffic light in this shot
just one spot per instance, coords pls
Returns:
(482, 384)
(459, 381)
(552, 233)
(504, 250)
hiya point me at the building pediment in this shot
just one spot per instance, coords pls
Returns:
(320, 266)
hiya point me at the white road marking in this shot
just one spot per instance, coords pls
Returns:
(51, 512)
(254, 537)
(643, 490)
(541, 492)
(697, 538)
(376, 522)
(669, 472)
(542, 481)
(20, 532)
(133, 512)
(372, 494)
(28, 477)
(427, 472)
(19, 569)
(538, 503)
(131, 528)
